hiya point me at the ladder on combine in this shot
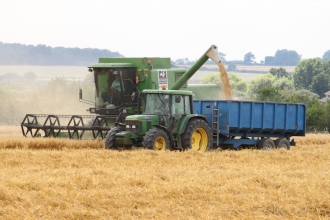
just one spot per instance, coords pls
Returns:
(215, 125)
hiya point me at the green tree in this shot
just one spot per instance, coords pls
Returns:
(239, 86)
(249, 58)
(304, 73)
(279, 73)
(301, 96)
(231, 67)
(211, 78)
(326, 55)
(321, 84)
(315, 116)
(286, 57)
(263, 80)
(269, 94)
(283, 84)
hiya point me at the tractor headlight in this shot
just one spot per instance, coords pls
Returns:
(133, 126)
(127, 126)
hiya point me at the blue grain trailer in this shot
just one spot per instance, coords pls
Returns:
(265, 125)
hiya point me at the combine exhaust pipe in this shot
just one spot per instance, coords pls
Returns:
(211, 53)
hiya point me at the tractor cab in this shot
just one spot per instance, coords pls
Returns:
(169, 106)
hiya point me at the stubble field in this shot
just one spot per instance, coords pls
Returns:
(68, 179)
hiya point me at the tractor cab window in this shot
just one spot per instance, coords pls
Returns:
(156, 104)
(114, 87)
(180, 108)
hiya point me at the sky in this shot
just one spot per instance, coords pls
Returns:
(171, 28)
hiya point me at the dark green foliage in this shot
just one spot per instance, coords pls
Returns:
(321, 84)
(249, 58)
(316, 115)
(269, 94)
(313, 75)
(286, 57)
(301, 96)
(304, 73)
(326, 55)
(19, 54)
(269, 60)
(280, 73)
(231, 67)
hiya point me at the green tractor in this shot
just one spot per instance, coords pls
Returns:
(167, 122)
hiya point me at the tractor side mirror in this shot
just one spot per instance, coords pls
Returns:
(134, 97)
(177, 98)
(80, 94)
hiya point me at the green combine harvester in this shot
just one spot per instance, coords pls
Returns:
(119, 86)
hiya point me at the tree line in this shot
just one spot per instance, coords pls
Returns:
(42, 55)
(281, 58)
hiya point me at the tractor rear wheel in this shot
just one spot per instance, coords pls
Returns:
(282, 143)
(266, 144)
(156, 139)
(110, 138)
(197, 136)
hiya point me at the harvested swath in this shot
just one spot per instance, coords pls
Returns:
(49, 143)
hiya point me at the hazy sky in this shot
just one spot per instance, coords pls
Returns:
(171, 28)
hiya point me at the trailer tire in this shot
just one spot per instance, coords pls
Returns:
(197, 136)
(156, 139)
(282, 143)
(266, 144)
(110, 138)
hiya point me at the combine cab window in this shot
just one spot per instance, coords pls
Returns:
(114, 86)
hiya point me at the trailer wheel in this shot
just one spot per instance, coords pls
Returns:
(266, 144)
(156, 139)
(197, 136)
(282, 143)
(110, 138)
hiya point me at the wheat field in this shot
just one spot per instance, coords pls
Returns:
(69, 179)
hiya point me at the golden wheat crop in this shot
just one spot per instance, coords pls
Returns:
(83, 181)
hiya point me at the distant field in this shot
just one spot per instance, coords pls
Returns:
(69, 179)
(48, 72)
(45, 73)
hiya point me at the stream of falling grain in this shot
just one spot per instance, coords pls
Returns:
(226, 87)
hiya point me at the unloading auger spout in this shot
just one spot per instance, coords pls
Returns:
(212, 53)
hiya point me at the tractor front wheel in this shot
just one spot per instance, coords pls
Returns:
(156, 139)
(110, 138)
(197, 136)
